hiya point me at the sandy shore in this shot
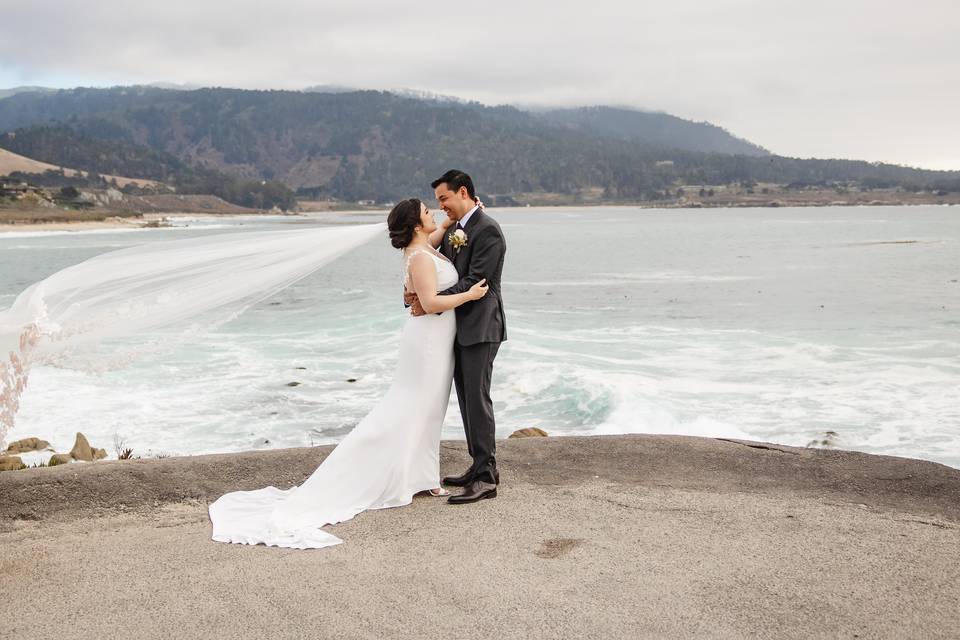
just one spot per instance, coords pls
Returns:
(79, 225)
(601, 537)
(138, 222)
(133, 222)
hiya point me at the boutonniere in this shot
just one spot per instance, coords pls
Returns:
(458, 239)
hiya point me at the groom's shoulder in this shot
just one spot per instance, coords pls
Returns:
(488, 222)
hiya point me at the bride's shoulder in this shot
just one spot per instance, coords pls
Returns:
(415, 253)
(418, 256)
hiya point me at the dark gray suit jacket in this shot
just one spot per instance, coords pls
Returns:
(482, 257)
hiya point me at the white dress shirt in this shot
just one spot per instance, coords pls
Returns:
(463, 220)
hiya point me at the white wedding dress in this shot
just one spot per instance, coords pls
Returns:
(393, 453)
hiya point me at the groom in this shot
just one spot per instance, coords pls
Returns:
(476, 247)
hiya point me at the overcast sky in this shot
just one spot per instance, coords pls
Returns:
(876, 80)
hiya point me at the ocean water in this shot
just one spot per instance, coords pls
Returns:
(768, 324)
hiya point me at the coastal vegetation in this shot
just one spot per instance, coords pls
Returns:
(265, 149)
(64, 146)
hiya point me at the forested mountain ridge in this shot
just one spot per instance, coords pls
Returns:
(380, 146)
(660, 129)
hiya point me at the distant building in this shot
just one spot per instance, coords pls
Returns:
(366, 203)
(16, 189)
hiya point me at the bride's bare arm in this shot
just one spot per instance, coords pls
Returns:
(437, 236)
(423, 274)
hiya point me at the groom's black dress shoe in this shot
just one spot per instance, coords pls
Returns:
(476, 490)
(459, 481)
(467, 478)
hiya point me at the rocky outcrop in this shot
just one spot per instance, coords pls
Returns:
(529, 432)
(604, 537)
(83, 451)
(28, 444)
(680, 463)
(10, 463)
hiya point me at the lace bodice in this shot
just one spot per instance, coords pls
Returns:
(446, 273)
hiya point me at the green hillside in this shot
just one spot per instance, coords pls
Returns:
(381, 146)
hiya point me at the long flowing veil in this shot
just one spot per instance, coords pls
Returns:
(83, 316)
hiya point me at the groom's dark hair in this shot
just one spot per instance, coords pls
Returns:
(455, 179)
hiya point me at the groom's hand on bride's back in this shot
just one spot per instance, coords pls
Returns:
(411, 300)
(416, 309)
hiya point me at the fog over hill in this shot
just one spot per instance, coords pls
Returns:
(333, 142)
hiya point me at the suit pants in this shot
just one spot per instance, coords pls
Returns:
(472, 372)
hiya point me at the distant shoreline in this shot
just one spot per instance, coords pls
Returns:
(37, 222)
(69, 225)
(139, 221)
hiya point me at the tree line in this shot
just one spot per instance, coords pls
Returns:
(263, 146)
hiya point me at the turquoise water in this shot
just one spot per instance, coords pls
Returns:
(769, 324)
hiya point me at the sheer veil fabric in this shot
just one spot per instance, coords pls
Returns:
(74, 318)
(87, 315)
(392, 454)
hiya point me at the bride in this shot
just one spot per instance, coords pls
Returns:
(394, 452)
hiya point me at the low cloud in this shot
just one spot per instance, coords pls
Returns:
(857, 79)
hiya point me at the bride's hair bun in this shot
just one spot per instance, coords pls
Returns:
(403, 219)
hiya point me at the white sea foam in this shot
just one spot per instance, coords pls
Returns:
(820, 221)
(45, 246)
(10, 235)
(619, 280)
(879, 363)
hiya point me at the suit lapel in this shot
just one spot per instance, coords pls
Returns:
(462, 257)
(445, 247)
